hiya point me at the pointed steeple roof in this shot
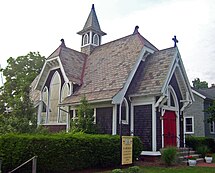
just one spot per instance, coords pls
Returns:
(92, 23)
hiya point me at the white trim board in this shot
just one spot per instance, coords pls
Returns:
(150, 153)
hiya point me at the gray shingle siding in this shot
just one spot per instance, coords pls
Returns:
(196, 110)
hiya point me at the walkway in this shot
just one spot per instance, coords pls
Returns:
(203, 164)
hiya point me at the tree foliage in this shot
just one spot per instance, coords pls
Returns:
(199, 84)
(211, 111)
(14, 95)
(85, 119)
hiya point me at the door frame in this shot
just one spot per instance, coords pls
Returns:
(175, 109)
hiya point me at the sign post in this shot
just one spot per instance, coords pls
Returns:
(127, 147)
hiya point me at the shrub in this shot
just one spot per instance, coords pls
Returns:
(195, 142)
(213, 156)
(133, 169)
(203, 150)
(168, 155)
(62, 152)
(117, 171)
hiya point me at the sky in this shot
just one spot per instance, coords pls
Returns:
(39, 25)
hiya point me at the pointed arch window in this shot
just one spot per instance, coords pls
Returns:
(96, 39)
(45, 99)
(85, 39)
(124, 111)
(65, 92)
(54, 98)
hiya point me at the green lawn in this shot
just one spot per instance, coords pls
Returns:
(185, 169)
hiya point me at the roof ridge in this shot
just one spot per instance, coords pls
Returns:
(167, 48)
(114, 41)
(141, 37)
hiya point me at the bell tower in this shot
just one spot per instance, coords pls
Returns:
(91, 33)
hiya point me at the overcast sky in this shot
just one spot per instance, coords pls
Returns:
(38, 25)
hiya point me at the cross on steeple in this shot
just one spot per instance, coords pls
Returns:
(175, 41)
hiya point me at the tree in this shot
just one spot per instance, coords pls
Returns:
(211, 111)
(14, 95)
(85, 119)
(199, 84)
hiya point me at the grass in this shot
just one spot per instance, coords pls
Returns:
(185, 169)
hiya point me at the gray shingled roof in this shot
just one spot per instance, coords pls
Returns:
(92, 23)
(107, 69)
(207, 92)
(73, 64)
(153, 73)
(72, 61)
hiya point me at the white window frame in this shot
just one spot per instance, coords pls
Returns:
(94, 37)
(47, 104)
(212, 124)
(186, 124)
(126, 121)
(59, 95)
(86, 36)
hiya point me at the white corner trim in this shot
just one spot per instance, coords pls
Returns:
(154, 128)
(114, 121)
(62, 70)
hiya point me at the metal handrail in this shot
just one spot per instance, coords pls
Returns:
(185, 145)
(34, 165)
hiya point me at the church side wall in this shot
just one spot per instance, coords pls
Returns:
(104, 118)
(143, 125)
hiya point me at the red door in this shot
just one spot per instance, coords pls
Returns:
(169, 125)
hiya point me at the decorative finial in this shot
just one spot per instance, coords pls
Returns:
(93, 8)
(175, 41)
(62, 43)
(136, 30)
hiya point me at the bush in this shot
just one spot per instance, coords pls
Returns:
(117, 171)
(133, 169)
(62, 152)
(203, 150)
(168, 155)
(213, 155)
(195, 142)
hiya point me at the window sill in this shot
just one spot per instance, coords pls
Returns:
(189, 133)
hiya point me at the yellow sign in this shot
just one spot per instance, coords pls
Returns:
(127, 143)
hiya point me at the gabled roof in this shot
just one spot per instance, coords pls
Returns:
(70, 61)
(208, 93)
(154, 73)
(108, 68)
(92, 23)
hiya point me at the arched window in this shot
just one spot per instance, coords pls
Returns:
(172, 97)
(64, 93)
(45, 98)
(54, 98)
(96, 39)
(85, 39)
(124, 111)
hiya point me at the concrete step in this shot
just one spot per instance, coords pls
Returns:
(193, 155)
(199, 160)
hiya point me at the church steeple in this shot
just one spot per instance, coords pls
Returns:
(91, 33)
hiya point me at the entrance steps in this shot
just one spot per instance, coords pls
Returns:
(185, 153)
